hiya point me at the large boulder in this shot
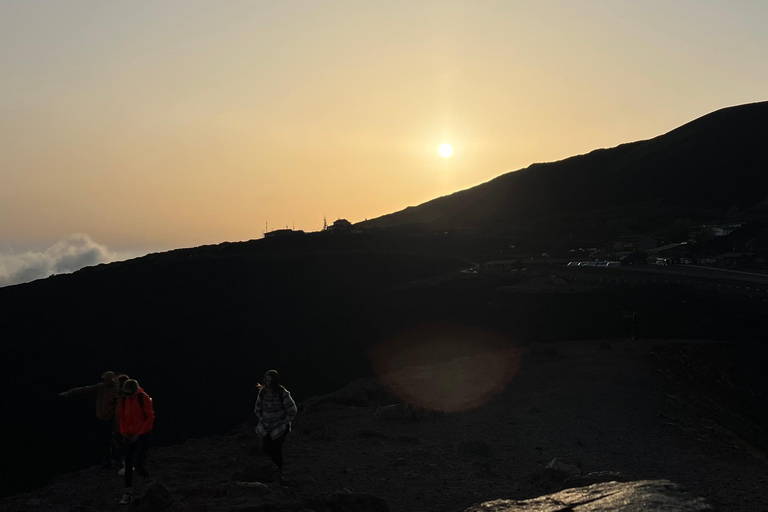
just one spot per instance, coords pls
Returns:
(640, 496)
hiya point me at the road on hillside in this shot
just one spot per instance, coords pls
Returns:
(727, 281)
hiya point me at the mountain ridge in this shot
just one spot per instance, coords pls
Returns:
(690, 170)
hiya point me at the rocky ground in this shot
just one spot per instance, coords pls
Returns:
(646, 409)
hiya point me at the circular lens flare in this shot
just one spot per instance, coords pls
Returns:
(446, 368)
(445, 150)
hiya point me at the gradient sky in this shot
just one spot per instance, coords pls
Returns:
(162, 124)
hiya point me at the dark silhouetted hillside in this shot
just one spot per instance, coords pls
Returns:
(196, 327)
(699, 170)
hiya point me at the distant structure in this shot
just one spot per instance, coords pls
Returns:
(339, 226)
(712, 230)
(283, 233)
(636, 243)
(673, 251)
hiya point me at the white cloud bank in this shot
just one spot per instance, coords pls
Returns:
(68, 255)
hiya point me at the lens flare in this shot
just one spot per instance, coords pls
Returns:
(448, 369)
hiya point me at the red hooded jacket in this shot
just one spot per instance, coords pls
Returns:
(133, 418)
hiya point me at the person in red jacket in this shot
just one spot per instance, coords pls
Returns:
(137, 418)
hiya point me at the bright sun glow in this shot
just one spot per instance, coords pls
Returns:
(445, 150)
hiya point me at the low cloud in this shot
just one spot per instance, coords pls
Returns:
(68, 255)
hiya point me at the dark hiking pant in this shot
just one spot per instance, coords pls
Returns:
(273, 448)
(136, 455)
(106, 435)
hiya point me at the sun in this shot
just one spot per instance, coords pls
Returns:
(445, 150)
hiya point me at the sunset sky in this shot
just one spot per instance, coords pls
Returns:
(146, 126)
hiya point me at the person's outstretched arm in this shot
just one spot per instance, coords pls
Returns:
(81, 391)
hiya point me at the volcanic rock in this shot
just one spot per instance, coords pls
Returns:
(561, 468)
(595, 477)
(640, 496)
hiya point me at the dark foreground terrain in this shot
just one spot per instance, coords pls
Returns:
(647, 409)
(198, 327)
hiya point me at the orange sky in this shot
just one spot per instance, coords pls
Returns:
(154, 125)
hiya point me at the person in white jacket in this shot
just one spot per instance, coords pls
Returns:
(275, 409)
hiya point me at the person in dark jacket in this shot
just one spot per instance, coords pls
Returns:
(106, 398)
(136, 416)
(117, 436)
(275, 409)
(121, 379)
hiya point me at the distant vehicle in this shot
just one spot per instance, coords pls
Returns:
(600, 264)
(663, 262)
(686, 261)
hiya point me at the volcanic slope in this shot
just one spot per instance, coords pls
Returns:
(647, 409)
(698, 171)
(208, 318)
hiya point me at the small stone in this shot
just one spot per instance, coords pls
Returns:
(561, 468)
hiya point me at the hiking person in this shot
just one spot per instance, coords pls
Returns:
(106, 398)
(275, 409)
(121, 379)
(137, 418)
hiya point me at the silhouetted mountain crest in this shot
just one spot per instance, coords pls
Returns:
(698, 170)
